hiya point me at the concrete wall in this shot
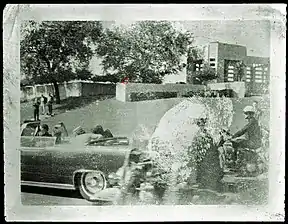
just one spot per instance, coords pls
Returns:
(68, 89)
(123, 91)
(27, 93)
(92, 89)
(239, 88)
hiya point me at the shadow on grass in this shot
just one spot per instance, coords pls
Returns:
(72, 103)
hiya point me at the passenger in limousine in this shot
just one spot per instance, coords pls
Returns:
(44, 131)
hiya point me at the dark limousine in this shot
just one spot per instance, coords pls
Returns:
(65, 165)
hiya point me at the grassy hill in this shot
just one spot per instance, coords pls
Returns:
(124, 118)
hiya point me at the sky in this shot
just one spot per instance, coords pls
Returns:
(254, 34)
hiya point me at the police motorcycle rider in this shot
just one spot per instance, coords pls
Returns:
(244, 143)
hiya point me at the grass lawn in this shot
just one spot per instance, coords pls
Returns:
(123, 119)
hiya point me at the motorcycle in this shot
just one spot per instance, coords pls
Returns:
(248, 162)
(144, 184)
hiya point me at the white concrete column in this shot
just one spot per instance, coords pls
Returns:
(121, 94)
(46, 91)
(34, 91)
(65, 89)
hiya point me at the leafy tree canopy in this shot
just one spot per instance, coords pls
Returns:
(54, 51)
(205, 74)
(145, 51)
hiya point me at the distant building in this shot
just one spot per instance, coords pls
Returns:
(227, 59)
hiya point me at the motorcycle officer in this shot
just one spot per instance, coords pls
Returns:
(249, 136)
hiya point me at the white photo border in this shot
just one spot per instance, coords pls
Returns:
(14, 14)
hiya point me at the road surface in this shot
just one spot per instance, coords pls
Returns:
(51, 197)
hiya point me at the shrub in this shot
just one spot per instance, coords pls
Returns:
(152, 95)
(200, 93)
(226, 93)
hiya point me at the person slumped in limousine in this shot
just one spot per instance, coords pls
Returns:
(100, 131)
(44, 131)
(83, 138)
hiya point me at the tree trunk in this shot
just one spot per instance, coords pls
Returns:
(57, 94)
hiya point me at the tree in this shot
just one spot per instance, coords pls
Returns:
(205, 74)
(240, 71)
(195, 55)
(145, 51)
(105, 78)
(54, 51)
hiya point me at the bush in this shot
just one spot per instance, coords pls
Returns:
(200, 93)
(152, 96)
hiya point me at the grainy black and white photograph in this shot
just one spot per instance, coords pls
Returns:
(144, 112)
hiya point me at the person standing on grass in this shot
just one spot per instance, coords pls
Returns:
(43, 104)
(50, 104)
(36, 106)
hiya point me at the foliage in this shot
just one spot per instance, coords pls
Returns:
(206, 74)
(195, 55)
(138, 96)
(239, 71)
(199, 93)
(105, 78)
(220, 114)
(201, 144)
(144, 52)
(55, 51)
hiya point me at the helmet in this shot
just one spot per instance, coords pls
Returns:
(248, 109)
(136, 152)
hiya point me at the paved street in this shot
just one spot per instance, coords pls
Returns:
(50, 197)
(45, 196)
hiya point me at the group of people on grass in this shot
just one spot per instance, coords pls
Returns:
(43, 103)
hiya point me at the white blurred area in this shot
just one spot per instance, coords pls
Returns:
(177, 124)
